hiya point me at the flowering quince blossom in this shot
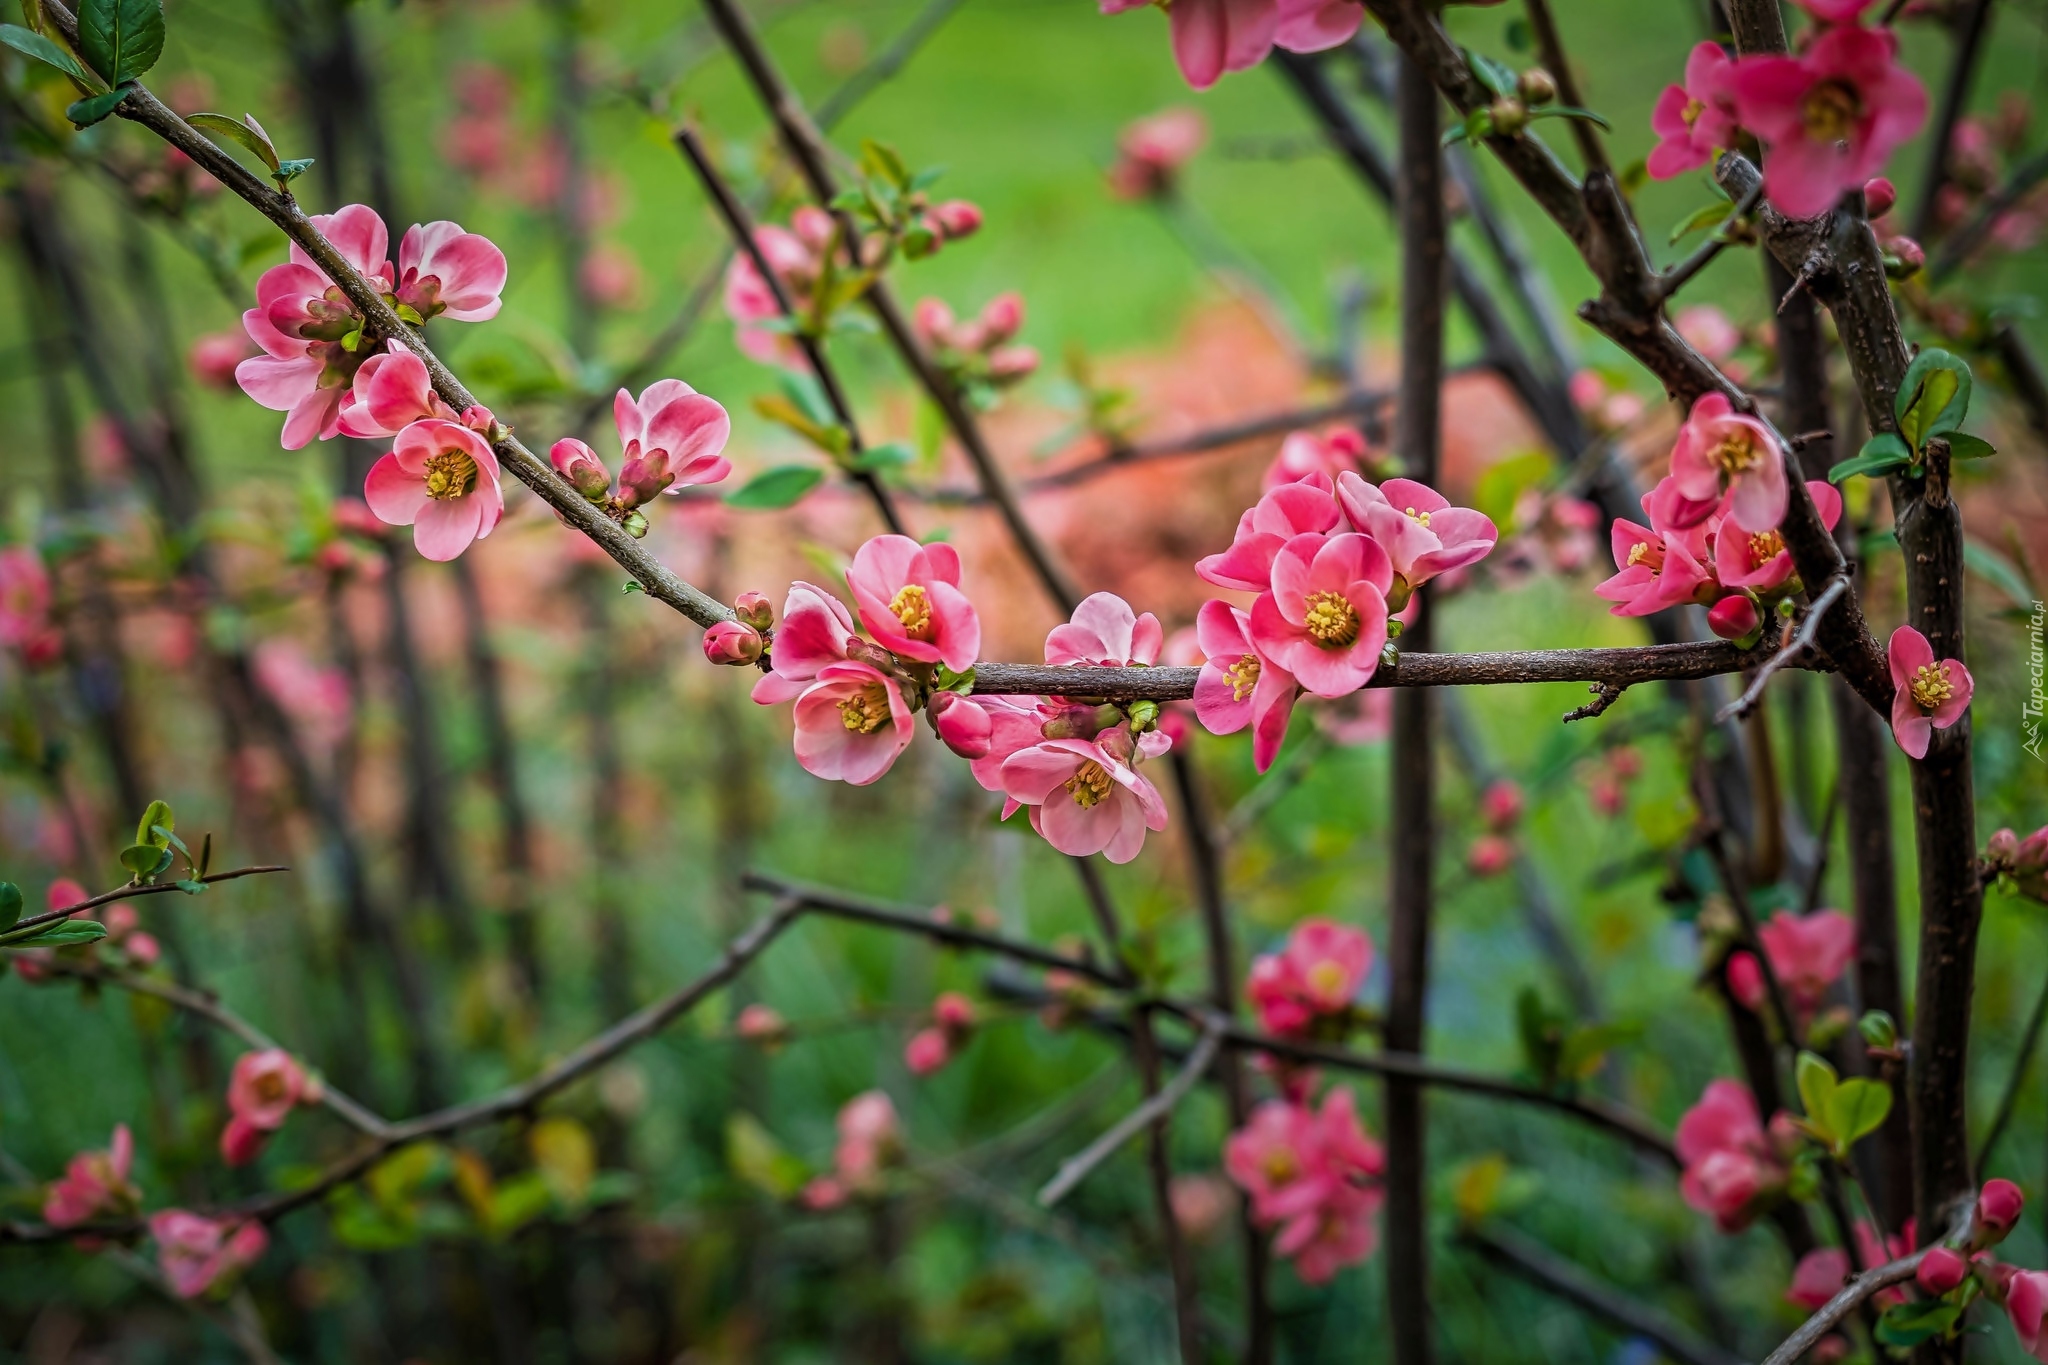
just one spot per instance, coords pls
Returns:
(1720, 449)
(1316, 1174)
(1306, 506)
(1083, 799)
(1104, 631)
(1304, 454)
(1311, 981)
(1151, 151)
(977, 348)
(2026, 1307)
(930, 1048)
(1830, 117)
(25, 598)
(1418, 528)
(1940, 1271)
(263, 1090)
(908, 596)
(1808, 954)
(1239, 686)
(671, 437)
(1822, 1272)
(197, 1253)
(1729, 1163)
(796, 254)
(1325, 618)
(95, 1185)
(869, 1136)
(1929, 696)
(446, 272)
(1759, 559)
(441, 479)
(816, 631)
(852, 723)
(1211, 37)
(1697, 119)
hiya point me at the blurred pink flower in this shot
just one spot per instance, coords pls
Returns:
(1721, 450)
(1151, 151)
(1489, 856)
(317, 698)
(1304, 454)
(213, 358)
(1708, 330)
(95, 1185)
(1829, 118)
(609, 275)
(1314, 977)
(1500, 805)
(1729, 1163)
(197, 1253)
(1697, 119)
(927, 1051)
(266, 1086)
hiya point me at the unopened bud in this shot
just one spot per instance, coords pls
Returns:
(1509, 115)
(2002, 849)
(957, 218)
(732, 642)
(1011, 363)
(1489, 856)
(1941, 1270)
(962, 725)
(953, 1012)
(1536, 86)
(1998, 1208)
(755, 609)
(1903, 257)
(1879, 195)
(1878, 1030)
(579, 464)
(1735, 618)
(1003, 316)
(643, 479)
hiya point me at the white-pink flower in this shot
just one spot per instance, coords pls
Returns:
(1722, 450)
(446, 272)
(908, 596)
(302, 320)
(1421, 532)
(1082, 799)
(815, 632)
(1104, 630)
(1306, 506)
(1325, 620)
(441, 479)
(1238, 686)
(851, 723)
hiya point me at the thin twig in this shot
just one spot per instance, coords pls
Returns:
(122, 893)
(1965, 241)
(1801, 640)
(1681, 274)
(1608, 694)
(1852, 1296)
(1077, 1168)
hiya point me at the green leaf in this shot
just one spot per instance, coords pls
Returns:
(1933, 396)
(293, 168)
(30, 43)
(254, 138)
(1886, 450)
(1906, 1325)
(1963, 446)
(1477, 124)
(93, 108)
(848, 201)
(61, 933)
(120, 39)
(190, 887)
(1707, 215)
(1569, 111)
(875, 459)
(880, 159)
(926, 178)
(757, 1158)
(1986, 562)
(781, 486)
(172, 840)
(1856, 1109)
(1496, 76)
(10, 904)
(1817, 1086)
(808, 396)
(157, 816)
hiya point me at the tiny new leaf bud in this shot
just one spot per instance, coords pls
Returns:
(755, 609)
(1144, 714)
(732, 642)
(1878, 1030)
(1536, 86)
(635, 525)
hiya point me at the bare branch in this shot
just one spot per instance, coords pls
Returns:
(1681, 274)
(1801, 641)
(1077, 1168)
(1608, 694)
(1852, 1296)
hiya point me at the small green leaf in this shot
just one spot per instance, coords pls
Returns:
(120, 39)
(926, 178)
(58, 934)
(171, 839)
(1569, 111)
(1496, 76)
(633, 585)
(293, 168)
(155, 818)
(94, 108)
(757, 1158)
(807, 395)
(1933, 396)
(1856, 1109)
(141, 859)
(893, 455)
(1963, 446)
(1878, 1029)
(1886, 450)
(781, 486)
(190, 887)
(1817, 1086)
(848, 201)
(1707, 215)
(1905, 1325)
(10, 904)
(880, 159)
(32, 44)
(254, 138)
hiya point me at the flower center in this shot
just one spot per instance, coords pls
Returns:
(914, 609)
(450, 474)
(1326, 978)
(1419, 518)
(1280, 1167)
(1765, 547)
(270, 1087)
(1830, 111)
(1089, 784)
(1930, 686)
(1693, 110)
(1243, 676)
(866, 711)
(1645, 552)
(1332, 620)
(1737, 452)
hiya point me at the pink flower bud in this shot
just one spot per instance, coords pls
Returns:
(953, 1012)
(579, 464)
(645, 478)
(733, 643)
(1941, 1270)
(822, 1194)
(214, 356)
(142, 949)
(1734, 617)
(2033, 854)
(1003, 317)
(956, 218)
(1008, 364)
(1878, 196)
(933, 322)
(120, 919)
(1998, 1209)
(963, 725)
(2002, 848)
(1746, 981)
(755, 609)
(927, 1051)
(63, 892)
(352, 516)
(1501, 803)
(760, 1024)
(1489, 856)
(1911, 256)
(241, 1142)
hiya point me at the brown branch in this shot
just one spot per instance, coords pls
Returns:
(1964, 242)
(1801, 641)
(122, 893)
(739, 225)
(1079, 1166)
(1607, 693)
(1681, 274)
(1852, 1297)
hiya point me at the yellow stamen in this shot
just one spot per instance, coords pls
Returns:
(450, 474)
(1280, 1167)
(1765, 547)
(914, 610)
(1419, 518)
(1326, 978)
(1830, 111)
(1089, 784)
(1692, 112)
(866, 711)
(1737, 452)
(1332, 620)
(1644, 552)
(1931, 686)
(1243, 676)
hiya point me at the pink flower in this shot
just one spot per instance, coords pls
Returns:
(1720, 449)
(265, 1086)
(733, 643)
(1500, 805)
(1940, 1271)
(953, 1012)
(927, 1051)
(1418, 528)
(758, 1023)
(909, 598)
(444, 271)
(1211, 37)
(609, 275)
(962, 725)
(1153, 149)
(1105, 631)
(816, 630)
(869, 1137)
(1820, 1274)
(441, 479)
(212, 358)
(1759, 559)
(197, 1253)
(391, 391)
(1013, 727)
(823, 1194)
(1317, 975)
(1325, 620)
(1083, 800)
(796, 255)
(1696, 119)
(95, 1185)
(1808, 953)
(1337, 1233)
(1238, 686)
(957, 218)
(1830, 118)
(1279, 1147)
(241, 1141)
(851, 723)
(1728, 1159)
(1200, 1204)
(317, 699)
(2026, 1303)
(1489, 856)
(1998, 1210)
(1305, 507)
(1317, 1174)
(1707, 328)
(1835, 11)
(1314, 25)
(671, 436)
(64, 891)
(1304, 455)
(24, 596)
(1929, 696)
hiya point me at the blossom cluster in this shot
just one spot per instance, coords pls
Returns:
(1807, 955)
(870, 1140)
(1827, 118)
(25, 602)
(263, 1089)
(1332, 561)
(1211, 37)
(1314, 1173)
(2022, 862)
